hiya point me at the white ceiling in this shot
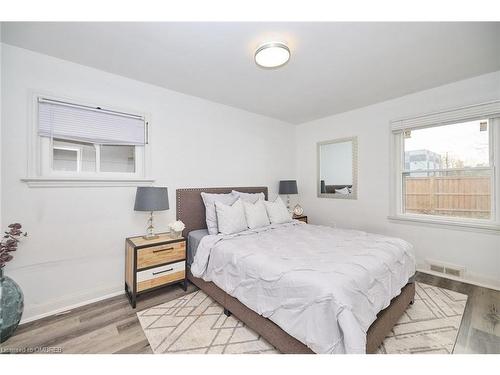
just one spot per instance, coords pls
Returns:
(334, 67)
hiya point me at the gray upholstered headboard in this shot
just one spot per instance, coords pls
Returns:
(191, 209)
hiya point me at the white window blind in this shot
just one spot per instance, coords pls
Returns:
(473, 112)
(80, 123)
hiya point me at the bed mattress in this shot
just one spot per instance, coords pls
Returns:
(323, 286)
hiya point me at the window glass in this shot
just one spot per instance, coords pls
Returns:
(461, 145)
(73, 156)
(118, 159)
(447, 171)
(65, 160)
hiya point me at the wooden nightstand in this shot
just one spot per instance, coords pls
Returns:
(300, 218)
(153, 264)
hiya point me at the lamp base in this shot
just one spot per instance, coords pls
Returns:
(150, 237)
(151, 229)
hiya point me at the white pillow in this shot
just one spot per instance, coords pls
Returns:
(231, 219)
(249, 197)
(342, 191)
(256, 214)
(211, 216)
(277, 212)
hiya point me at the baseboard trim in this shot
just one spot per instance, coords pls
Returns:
(484, 284)
(70, 307)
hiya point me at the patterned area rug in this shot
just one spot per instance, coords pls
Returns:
(196, 324)
(430, 325)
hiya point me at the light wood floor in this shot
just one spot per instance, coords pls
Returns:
(111, 326)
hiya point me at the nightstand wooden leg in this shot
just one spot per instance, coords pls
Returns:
(185, 285)
(130, 296)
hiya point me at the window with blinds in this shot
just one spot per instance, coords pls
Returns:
(80, 140)
(445, 164)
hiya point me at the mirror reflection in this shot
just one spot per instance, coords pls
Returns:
(337, 168)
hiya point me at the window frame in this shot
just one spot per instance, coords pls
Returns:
(397, 169)
(39, 169)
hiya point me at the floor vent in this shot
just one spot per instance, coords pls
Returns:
(436, 268)
(453, 271)
(448, 269)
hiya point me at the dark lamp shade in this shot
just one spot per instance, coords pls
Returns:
(288, 187)
(151, 199)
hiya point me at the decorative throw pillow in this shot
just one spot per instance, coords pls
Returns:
(249, 197)
(231, 219)
(256, 214)
(342, 191)
(277, 212)
(209, 200)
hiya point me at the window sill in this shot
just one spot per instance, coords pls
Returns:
(449, 224)
(43, 182)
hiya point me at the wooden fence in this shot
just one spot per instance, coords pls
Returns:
(463, 196)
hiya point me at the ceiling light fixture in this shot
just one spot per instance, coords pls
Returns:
(272, 55)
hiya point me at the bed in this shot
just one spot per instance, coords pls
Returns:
(268, 321)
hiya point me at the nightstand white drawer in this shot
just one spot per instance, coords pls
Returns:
(157, 272)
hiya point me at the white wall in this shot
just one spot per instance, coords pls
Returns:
(75, 250)
(478, 251)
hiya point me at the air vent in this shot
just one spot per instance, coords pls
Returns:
(453, 271)
(437, 268)
(446, 268)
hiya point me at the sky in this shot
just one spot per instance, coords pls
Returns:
(462, 141)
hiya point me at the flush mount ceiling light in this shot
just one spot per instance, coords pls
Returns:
(272, 55)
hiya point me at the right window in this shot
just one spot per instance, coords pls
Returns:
(448, 170)
(445, 167)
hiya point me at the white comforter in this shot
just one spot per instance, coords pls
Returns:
(323, 286)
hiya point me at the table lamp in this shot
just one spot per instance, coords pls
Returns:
(288, 187)
(151, 199)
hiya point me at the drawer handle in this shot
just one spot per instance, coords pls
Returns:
(156, 273)
(160, 250)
